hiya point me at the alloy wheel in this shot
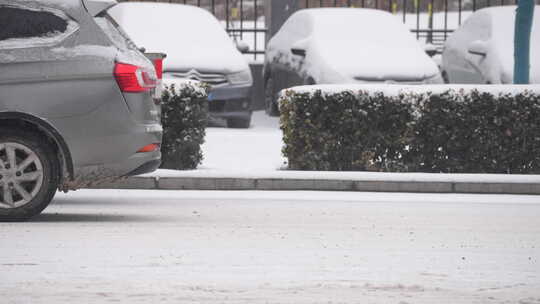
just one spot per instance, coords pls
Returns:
(21, 175)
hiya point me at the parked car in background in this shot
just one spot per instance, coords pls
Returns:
(198, 48)
(343, 45)
(76, 102)
(482, 49)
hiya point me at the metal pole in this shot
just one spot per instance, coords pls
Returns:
(404, 11)
(445, 18)
(277, 12)
(430, 22)
(241, 19)
(417, 3)
(227, 14)
(459, 11)
(522, 40)
(256, 33)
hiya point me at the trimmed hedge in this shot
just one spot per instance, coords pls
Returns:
(442, 129)
(184, 115)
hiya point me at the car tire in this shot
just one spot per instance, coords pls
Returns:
(239, 123)
(30, 174)
(310, 81)
(270, 97)
(445, 77)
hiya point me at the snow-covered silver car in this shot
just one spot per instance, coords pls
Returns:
(197, 48)
(76, 103)
(343, 45)
(482, 49)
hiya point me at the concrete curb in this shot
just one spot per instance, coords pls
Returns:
(295, 184)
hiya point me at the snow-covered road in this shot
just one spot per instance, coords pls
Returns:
(132, 246)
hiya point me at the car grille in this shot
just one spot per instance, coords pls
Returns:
(216, 106)
(211, 79)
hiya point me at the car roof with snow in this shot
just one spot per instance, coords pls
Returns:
(367, 43)
(328, 15)
(503, 18)
(94, 7)
(500, 22)
(364, 23)
(190, 36)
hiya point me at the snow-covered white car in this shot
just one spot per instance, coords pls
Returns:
(197, 48)
(482, 49)
(343, 45)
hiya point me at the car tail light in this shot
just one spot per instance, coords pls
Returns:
(158, 64)
(134, 79)
(149, 148)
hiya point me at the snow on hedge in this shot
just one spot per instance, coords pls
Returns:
(180, 84)
(396, 90)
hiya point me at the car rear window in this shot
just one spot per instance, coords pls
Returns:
(25, 23)
(115, 32)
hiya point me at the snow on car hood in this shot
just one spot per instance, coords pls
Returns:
(372, 62)
(191, 37)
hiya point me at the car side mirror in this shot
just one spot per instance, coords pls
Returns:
(298, 52)
(478, 47)
(430, 49)
(242, 46)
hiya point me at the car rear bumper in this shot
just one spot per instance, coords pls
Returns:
(104, 143)
(147, 167)
(137, 163)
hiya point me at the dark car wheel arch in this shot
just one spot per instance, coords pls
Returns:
(270, 95)
(33, 123)
(38, 189)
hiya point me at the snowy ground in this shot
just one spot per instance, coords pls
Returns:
(97, 246)
(245, 150)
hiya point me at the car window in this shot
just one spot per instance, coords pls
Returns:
(115, 32)
(17, 23)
